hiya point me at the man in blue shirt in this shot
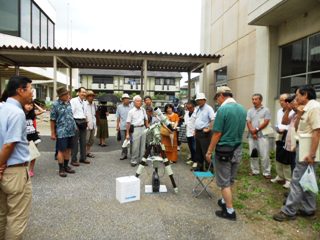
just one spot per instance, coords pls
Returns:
(15, 184)
(204, 116)
(63, 128)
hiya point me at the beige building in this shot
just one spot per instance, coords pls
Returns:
(268, 46)
(163, 87)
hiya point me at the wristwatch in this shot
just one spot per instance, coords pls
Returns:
(257, 129)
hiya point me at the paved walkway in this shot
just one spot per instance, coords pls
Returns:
(84, 205)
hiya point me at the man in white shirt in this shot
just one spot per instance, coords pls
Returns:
(137, 121)
(91, 109)
(78, 106)
(189, 119)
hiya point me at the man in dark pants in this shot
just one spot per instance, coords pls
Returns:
(189, 119)
(204, 116)
(78, 106)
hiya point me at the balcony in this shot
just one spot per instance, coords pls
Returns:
(171, 88)
(274, 12)
(101, 86)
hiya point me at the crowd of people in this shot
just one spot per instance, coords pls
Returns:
(211, 137)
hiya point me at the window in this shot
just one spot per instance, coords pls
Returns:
(300, 64)
(35, 25)
(221, 77)
(9, 17)
(50, 34)
(102, 80)
(158, 81)
(25, 20)
(44, 30)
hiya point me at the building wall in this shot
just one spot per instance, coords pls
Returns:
(232, 37)
(252, 53)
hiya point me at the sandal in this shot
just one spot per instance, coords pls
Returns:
(90, 155)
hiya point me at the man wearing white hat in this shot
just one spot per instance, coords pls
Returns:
(122, 114)
(204, 116)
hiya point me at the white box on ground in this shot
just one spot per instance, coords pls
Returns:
(127, 189)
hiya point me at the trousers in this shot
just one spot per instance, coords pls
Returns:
(15, 202)
(80, 138)
(138, 144)
(297, 198)
(262, 145)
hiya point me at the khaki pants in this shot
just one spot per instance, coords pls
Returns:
(15, 202)
(283, 171)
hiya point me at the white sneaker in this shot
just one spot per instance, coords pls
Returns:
(189, 162)
(178, 148)
(276, 179)
(194, 165)
(287, 184)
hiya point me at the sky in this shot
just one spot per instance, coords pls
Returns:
(142, 25)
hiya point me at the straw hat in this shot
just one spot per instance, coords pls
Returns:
(200, 96)
(90, 93)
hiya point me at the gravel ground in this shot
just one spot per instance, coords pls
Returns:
(84, 205)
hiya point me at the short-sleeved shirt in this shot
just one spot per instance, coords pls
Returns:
(310, 119)
(189, 120)
(256, 116)
(13, 129)
(136, 117)
(122, 113)
(204, 116)
(230, 121)
(61, 113)
(78, 108)
(91, 115)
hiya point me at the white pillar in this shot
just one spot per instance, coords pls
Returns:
(54, 96)
(203, 79)
(17, 69)
(189, 86)
(145, 77)
(70, 80)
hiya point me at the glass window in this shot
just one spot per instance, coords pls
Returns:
(35, 25)
(290, 84)
(157, 81)
(50, 34)
(314, 53)
(102, 80)
(25, 20)
(221, 77)
(9, 17)
(294, 57)
(44, 30)
(314, 80)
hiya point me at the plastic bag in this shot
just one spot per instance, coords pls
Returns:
(308, 180)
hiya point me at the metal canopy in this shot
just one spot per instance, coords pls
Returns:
(103, 59)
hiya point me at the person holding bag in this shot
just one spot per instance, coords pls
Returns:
(226, 140)
(299, 202)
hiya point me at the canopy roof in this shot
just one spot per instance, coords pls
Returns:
(103, 59)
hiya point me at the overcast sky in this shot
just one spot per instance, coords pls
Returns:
(146, 25)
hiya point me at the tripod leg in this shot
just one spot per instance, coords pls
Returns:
(170, 172)
(143, 162)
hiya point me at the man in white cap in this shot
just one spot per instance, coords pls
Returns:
(204, 116)
(122, 114)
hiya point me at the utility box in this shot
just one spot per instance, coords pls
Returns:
(127, 189)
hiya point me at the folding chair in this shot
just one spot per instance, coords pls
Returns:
(202, 186)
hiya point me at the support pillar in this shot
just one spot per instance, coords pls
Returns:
(144, 78)
(17, 69)
(189, 86)
(55, 66)
(70, 80)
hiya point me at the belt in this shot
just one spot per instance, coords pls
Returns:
(139, 126)
(79, 119)
(19, 165)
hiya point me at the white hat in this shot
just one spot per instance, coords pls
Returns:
(125, 95)
(201, 96)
